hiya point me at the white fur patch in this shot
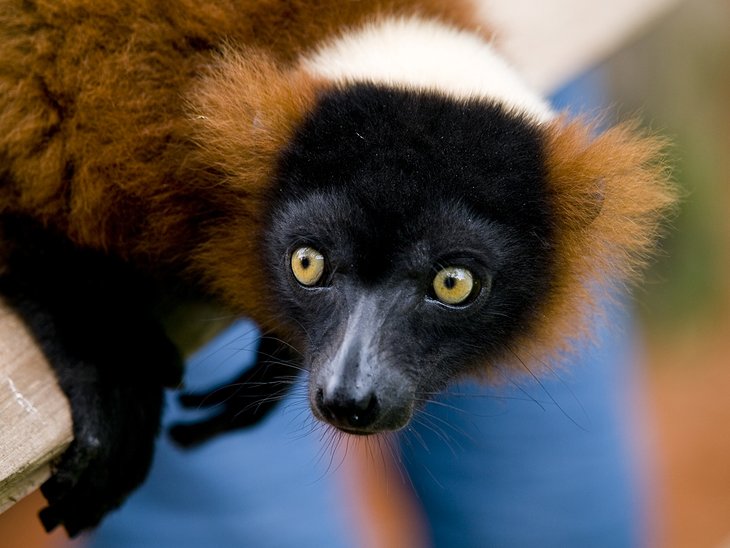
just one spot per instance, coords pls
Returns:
(426, 55)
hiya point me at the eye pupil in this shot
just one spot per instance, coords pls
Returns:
(307, 265)
(450, 282)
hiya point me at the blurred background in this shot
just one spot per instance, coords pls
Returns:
(676, 78)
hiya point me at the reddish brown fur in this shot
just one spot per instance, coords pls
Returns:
(243, 113)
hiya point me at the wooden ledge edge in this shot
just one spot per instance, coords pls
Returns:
(35, 418)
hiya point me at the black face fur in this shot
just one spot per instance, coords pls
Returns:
(390, 187)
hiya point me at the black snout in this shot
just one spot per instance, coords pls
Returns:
(355, 414)
(355, 387)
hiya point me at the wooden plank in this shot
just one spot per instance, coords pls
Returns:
(35, 419)
(549, 42)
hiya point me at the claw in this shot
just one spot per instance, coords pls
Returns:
(49, 518)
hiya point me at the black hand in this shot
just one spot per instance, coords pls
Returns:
(247, 399)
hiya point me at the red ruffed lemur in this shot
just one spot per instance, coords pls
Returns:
(367, 180)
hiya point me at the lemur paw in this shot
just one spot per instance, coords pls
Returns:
(246, 400)
(77, 493)
(106, 461)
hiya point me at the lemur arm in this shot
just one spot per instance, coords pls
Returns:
(111, 359)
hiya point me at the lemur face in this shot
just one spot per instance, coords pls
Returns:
(410, 244)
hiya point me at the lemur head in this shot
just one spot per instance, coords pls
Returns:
(411, 241)
(416, 231)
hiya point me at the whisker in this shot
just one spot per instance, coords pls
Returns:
(547, 392)
(424, 421)
(419, 462)
(556, 374)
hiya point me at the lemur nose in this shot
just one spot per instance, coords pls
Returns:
(347, 411)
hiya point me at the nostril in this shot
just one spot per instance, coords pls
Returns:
(364, 412)
(348, 412)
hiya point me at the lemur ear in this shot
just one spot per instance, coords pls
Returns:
(242, 113)
(591, 204)
(610, 191)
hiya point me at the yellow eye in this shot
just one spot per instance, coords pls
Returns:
(453, 285)
(307, 264)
